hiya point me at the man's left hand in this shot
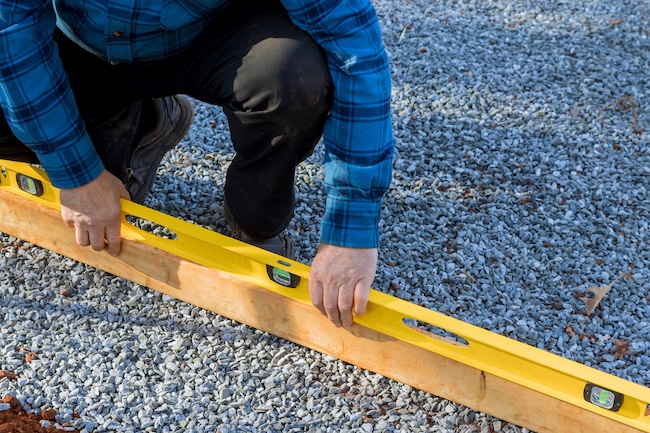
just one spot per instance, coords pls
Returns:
(340, 281)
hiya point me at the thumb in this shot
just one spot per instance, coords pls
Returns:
(124, 193)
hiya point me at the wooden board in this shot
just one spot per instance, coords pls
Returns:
(231, 297)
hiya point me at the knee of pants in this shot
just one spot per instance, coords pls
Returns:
(306, 86)
(288, 82)
(302, 102)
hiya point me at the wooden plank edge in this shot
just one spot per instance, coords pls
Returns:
(230, 297)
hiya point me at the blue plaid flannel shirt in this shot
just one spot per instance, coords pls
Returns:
(40, 108)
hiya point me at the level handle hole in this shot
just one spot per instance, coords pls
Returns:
(435, 332)
(151, 227)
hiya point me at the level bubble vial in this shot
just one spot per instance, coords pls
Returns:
(602, 397)
(29, 185)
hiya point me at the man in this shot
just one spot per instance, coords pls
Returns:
(88, 90)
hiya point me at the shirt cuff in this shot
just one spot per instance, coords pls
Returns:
(73, 165)
(352, 224)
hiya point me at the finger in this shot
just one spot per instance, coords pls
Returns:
(316, 294)
(345, 304)
(96, 237)
(81, 236)
(331, 304)
(65, 216)
(113, 238)
(361, 296)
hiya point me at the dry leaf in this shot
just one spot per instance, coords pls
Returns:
(569, 330)
(616, 21)
(8, 374)
(622, 348)
(30, 357)
(600, 292)
(589, 336)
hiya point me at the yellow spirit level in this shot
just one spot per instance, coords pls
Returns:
(480, 369)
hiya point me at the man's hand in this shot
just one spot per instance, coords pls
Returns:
(93, 210)
(340, 280)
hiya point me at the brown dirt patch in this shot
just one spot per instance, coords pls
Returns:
(17, 420)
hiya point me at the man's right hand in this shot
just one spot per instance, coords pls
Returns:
(93, 210)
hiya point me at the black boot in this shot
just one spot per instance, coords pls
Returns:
(281, 244)
(173, 117)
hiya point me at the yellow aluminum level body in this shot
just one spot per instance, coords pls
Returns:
(480, 369)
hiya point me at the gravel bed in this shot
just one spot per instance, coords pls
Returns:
(521, 178)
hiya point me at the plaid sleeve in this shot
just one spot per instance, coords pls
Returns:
(35, 94)
(358, 133)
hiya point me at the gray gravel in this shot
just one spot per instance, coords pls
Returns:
(520, 180)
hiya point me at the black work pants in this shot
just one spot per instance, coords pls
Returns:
(270, 78)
